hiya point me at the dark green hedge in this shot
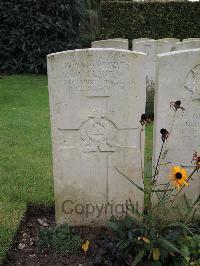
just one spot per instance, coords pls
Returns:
(155, 20)
(31, 29)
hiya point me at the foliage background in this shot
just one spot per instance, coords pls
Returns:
(31, 29)
(156, 20)
(89, 27)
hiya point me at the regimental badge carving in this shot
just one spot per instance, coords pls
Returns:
(98, 132)
(192, 85)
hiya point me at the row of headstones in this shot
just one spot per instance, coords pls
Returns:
(162, 45)
(97, 97)
(152, 48)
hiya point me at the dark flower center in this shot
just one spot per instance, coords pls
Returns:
(178, 103)
(163, 131)
(143, 117)
(178, 175)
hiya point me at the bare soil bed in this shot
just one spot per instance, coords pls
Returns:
(24, 248)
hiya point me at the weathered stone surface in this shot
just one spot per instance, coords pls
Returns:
(96, 99)
(139, 40)
(171, 47)
(172, 40)
(165, 46)
(152, 48)
(121, 39)
(117, 43)
(179, 79)
(190, 39)
(192, 44)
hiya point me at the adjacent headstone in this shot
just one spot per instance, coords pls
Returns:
(117, 43)
(139, 40)
(96, 99)
(178, 79)
(121, 39)
(165, 46)
(191, 39)
(172, 40)
(152, 48)
(193, 44)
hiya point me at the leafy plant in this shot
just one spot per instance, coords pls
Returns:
(155, 19)
(150, 240)
(32, 29)
(86, 40)
(59, 240)
(191, 248)
(152, 235)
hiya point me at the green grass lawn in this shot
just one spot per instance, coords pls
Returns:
(25, 156)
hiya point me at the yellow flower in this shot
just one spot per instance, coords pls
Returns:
(85, 245)
(178, 176)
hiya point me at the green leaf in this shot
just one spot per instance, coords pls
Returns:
(138, 257)
(163, 254)
(128, 221)
(179, 225)
(186, 202)
(130, 180)
(130, 236)
(114, 226)
(163, 190)
(157, 263)
(165, 243)
(197, 200)
(122, 244)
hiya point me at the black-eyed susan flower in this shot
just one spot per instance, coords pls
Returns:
(178, 176)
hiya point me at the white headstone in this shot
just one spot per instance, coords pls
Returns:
(139, 40)
(186, 45)
(96, 99)
(172, 40)
(121, 39)
(165, 46)
(117, 43)
(191, 39)
(178, 79)
(152, 48)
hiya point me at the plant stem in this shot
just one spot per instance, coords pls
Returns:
(157, 164)
(141, 154)
(170, 131)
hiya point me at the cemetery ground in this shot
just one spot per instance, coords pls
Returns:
(26, 168)
(26, 160)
